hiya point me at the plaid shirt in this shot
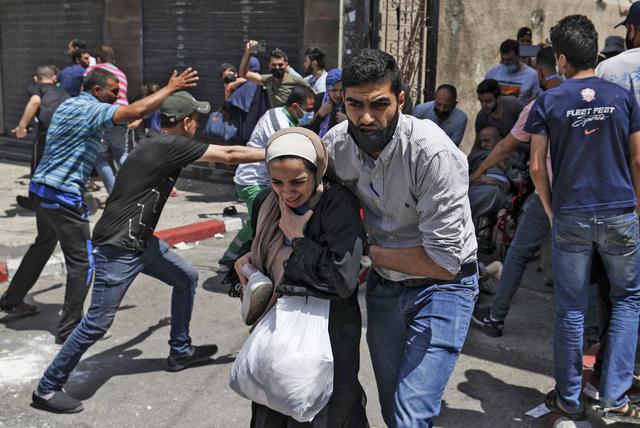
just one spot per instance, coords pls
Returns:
(415, 193)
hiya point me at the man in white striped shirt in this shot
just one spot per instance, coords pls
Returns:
(114, 139)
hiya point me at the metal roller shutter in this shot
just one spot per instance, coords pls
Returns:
(36, 32)
(206, 33)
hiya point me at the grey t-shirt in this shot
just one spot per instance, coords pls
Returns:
(511, 108)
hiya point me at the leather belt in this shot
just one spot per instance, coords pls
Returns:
(466, 270)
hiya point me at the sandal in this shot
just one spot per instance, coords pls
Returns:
(630, 416)
(91, 187)
(551, 401)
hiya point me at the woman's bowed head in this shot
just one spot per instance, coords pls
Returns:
(296, 160)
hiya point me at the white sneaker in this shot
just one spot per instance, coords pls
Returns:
(222, 268)
(255, 297)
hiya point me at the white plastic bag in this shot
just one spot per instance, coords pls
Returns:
(286, 363)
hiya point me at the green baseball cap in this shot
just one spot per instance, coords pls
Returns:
(180, 105)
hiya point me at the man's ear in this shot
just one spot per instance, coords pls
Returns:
(401, 100)
(185, 123)
(35, 79)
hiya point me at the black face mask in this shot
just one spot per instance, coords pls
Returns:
(374, 141)
(229, 79)
(442, 115)
(308, 71)
(278, 73)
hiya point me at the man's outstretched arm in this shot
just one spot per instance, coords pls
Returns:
(146, 105)
(232, 154)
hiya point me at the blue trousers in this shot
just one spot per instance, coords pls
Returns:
(415, 335)
(115, 270)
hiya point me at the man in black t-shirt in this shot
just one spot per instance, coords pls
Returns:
(125, 245)
(44, 99)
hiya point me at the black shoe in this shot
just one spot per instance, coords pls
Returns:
(25, 202)
(200, 354)
(482, 318)
(551, 401)
(60, 402)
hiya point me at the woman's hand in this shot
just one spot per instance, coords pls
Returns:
(238, 267)
(326, 108)
(291, 224)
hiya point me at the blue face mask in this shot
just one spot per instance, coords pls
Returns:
(512, 68)
(307, 117)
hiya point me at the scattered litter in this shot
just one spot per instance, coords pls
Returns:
(538, 411)
(218, 236)
(182, 246)
(148, 407)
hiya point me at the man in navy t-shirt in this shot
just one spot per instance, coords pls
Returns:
(593, 127)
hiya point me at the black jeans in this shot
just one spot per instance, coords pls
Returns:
(70, 226)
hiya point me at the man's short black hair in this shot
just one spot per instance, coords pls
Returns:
(279, 53)
(489, 86)
(78, 44)
(523, 31)
(226, 66)
(97, 76)
(318, 55)
(576, 38)
(510, 45)
(452, 90)
(77, 54)
(372, 66)
(46, 72)
(546, 58)
(299, 95)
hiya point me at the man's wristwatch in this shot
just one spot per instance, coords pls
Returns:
(365, 260)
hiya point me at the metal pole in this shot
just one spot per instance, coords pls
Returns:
(340, 33)
(432, 24)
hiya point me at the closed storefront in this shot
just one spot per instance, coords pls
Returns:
(204, 34)
(36, 32)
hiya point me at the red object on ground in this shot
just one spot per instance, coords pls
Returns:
(4, 272)
(192, 232)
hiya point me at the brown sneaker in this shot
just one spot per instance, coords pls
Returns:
(22, 309)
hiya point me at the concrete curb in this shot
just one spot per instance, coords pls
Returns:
(188, 233)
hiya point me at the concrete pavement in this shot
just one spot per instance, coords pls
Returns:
(122, 379)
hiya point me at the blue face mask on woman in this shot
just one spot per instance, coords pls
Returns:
(307, 117)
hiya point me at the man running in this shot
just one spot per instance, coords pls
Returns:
(125, 246)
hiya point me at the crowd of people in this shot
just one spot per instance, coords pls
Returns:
(341, 173)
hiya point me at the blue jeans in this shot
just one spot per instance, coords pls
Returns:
(115, 269)
(415, 335)
(533, 229)
(615, 235)
(114, 140)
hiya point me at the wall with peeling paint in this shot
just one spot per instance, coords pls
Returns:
(471, 32)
